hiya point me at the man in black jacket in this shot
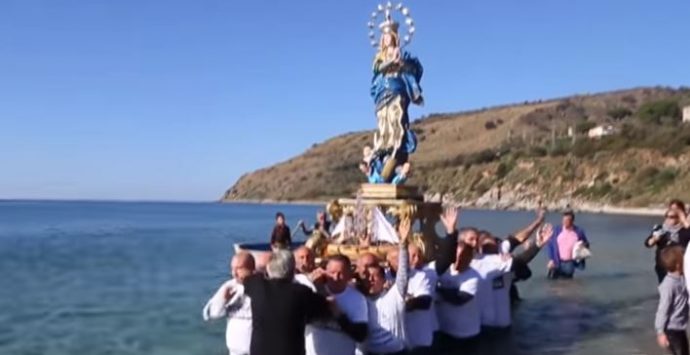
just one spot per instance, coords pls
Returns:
(281, 308)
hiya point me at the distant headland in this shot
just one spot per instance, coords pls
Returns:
(616, 152)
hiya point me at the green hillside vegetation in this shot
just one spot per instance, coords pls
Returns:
(516, 152)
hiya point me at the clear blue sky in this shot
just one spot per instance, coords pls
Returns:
(174, 100)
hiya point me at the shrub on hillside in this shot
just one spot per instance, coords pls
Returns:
(596, 191)
(503, 169)
(489, 125)
(652, 112)
(559, 150)
(619, 113)
(482, 157)
(537, 151)
(629, 99)
(654, 179)
(584, 126)
(666, 176)
(584, 149)
(647, 174)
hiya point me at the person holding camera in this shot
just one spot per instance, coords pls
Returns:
(672, 232)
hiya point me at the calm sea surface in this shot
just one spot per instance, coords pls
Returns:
(131, 278)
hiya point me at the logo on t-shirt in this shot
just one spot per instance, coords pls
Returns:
(497, 283)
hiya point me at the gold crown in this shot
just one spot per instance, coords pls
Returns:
(389, 25)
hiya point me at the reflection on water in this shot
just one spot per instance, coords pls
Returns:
(125, 278)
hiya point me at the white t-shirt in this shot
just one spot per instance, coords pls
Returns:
(491, 269)
(430, 269)
(386, 323)
(326, 338)
(459, 321)
(420, 324)
(238, 333)
(502, 306)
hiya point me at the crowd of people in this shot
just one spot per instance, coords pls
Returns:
(672, 268)
(286, 304)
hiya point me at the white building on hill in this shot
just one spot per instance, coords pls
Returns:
(600, 131)
(686, 114)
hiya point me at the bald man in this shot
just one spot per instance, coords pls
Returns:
(364, 262)
(239, 327)
(304, 260)
(305, 268)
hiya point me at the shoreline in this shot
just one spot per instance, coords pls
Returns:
(274, 202)
(582, 208)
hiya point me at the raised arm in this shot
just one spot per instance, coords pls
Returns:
(543, 237)
(216, 307)
(521, 261)
(307, 232)
(524, 234)
(446, 252)
(402, 276)
(553, 246)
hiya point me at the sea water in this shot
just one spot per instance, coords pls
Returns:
(132, 278)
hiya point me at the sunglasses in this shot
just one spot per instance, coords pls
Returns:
(673, 216)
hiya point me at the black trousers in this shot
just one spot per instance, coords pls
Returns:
(403, 352)
(424, 350)
(445, 344)
(678, 342)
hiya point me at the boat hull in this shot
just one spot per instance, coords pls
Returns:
(260, 250)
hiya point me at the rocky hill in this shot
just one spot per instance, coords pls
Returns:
(514, 155)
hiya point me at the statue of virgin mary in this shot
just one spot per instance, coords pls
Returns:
(395, 84)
